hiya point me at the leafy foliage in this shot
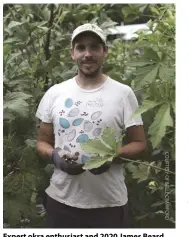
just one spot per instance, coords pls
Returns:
(36, 55)
(15, 102)
(157, 129)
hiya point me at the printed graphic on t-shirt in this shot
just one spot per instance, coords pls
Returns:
(80, 122)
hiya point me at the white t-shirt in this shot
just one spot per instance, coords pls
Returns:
(78, 115)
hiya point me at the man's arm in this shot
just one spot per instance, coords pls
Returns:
(45, 140)
(137, 143)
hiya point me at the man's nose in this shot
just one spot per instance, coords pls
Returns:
(88, 53)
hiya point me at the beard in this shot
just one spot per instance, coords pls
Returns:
(87, 72)
(90, 74)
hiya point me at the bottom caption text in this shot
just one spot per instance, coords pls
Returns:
(85, 235)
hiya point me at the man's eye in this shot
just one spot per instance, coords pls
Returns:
(95, 46)
(80, 47)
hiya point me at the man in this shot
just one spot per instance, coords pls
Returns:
(73, 112)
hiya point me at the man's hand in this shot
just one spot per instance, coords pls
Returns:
(66, 161)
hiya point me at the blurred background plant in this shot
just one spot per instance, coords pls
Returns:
(36, 55)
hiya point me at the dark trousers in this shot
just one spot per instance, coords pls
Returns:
(62, 216)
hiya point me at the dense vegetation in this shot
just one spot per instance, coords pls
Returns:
(36, 54)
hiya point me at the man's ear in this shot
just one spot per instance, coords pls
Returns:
(72, 53)
(106, 51)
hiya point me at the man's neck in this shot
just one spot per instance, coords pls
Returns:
(90, 83)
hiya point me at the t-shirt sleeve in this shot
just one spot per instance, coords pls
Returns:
(44, 109)
(130, 106)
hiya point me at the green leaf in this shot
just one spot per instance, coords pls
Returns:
(107, 147)
(13, 209)
(166, 73)
(139, 172)
(125, 10)
(141, 73)
(12, 40)
(108, 24)
(15, 101)
(49, 169)
(96, 146)
(31, 163)
(34, 197)
(6, 50)
(139, 63)
(157, 129)
(14, 24)
(21, 183)
(130, 13)
(146, 105)
(173, 106)
(13, 56)
(96, 162)
(150, 77)
(31, 143)
(108, 137)
(46, 13)
(142, 8)
(151, 54)
(17, 95)
(18, 106)
(142, 217)
(7, 115)
(157, 204)
(150, 24)
(44, 28)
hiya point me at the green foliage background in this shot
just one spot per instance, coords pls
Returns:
(36, 55)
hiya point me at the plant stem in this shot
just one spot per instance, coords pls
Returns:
(142, 163)
(47, 44)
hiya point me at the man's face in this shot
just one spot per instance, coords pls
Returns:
(89, 53)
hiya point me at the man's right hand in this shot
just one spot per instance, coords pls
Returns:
(66, 161)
